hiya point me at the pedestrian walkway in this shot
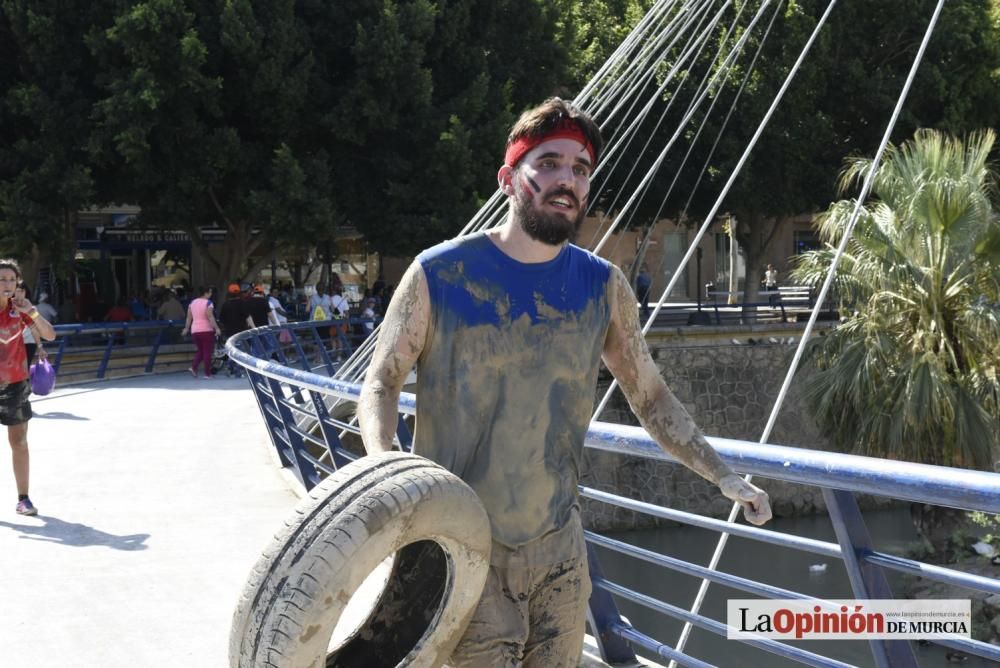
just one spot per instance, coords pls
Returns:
(155, 496)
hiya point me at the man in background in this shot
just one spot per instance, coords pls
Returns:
(274, 301)
(171, 308)
(643, 284)
(257, 308)
(233, 320)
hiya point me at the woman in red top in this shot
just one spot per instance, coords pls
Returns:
(16, 314)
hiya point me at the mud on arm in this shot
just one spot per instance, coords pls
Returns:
(659, 411)
(400, 342)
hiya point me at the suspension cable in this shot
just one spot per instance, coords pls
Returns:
(701, 126)
(814, 314)
(711, 153)
(659, 160)
(702, 42)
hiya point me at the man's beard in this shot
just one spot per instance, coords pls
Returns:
(549, 228)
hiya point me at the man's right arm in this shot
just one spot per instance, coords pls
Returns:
(402, 339)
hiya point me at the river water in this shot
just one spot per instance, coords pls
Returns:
(891, 531)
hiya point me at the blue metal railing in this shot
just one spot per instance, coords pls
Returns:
(308, 416)
(93, 350)
(88, 351)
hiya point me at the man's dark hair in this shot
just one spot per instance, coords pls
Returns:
(544, 118)
(8, 263)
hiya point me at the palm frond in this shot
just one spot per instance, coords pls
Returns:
(912, 371)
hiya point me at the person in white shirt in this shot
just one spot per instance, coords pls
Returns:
(368, 317)
(277, 310)
(771, 284)
(47, 310)
(321, 300)
(341, 309)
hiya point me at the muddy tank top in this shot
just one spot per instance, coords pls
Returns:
(506, 380)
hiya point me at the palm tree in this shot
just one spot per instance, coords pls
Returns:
(912, 371)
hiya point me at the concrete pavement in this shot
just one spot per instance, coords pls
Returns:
(155, 496)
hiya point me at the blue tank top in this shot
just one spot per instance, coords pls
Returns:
(506, 380)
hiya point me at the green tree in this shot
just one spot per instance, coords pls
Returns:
(912, 373)
(841, 102)
(423, 97)
(202, 121)
(838, 104)
(591, 31)
(281, 121)
(46, 95)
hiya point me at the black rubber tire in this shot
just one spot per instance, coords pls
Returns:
(351, 522)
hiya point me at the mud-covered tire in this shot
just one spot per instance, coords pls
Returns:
(349, 524)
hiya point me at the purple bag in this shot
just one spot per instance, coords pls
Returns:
(43, 377)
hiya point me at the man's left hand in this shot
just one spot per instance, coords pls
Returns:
(756, 505)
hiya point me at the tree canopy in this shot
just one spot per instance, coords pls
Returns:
(838, 104)
(47, 92)
(276, 121)
(280, 121)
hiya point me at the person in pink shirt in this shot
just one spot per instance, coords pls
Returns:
(201, 323)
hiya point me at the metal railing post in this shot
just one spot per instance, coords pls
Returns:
(63, 341)
(330, 436)
(269, 342)
(261, 393)
(327, 360)
(867, 581)
(157, 342)
(300, 351)
(404, 435)
(103, 367)
(304, 469)
(280, 419)
(603, 615)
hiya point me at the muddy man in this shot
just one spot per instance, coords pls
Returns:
(508, 329)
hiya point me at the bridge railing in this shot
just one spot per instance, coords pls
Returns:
(786, 304)
(93, 351)
(85, 351)
(310, 420)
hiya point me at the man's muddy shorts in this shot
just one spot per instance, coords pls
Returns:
(14, 405)
(531, 617)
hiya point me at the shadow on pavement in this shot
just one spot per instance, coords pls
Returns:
(78, 535)
(59, 415)
(63, 391)
(174, 380)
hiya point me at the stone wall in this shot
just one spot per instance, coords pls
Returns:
(730, 387)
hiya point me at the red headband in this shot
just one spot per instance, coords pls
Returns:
(566, 129)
